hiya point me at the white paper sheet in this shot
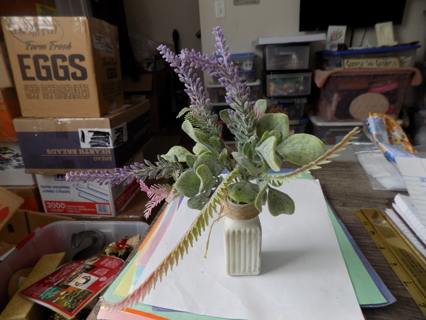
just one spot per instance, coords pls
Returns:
(403, 205)
(413, 171)
(303, 273)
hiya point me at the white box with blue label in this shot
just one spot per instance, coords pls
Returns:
(85, 199)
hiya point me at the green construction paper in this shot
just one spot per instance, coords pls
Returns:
(365, 288)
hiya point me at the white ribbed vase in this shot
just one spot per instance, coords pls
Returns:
(243, 242)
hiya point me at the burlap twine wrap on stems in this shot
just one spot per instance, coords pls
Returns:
(240, 212)
(235, 212)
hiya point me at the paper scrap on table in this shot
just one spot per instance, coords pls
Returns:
(403, 205)
(303, 272)
(413, 171)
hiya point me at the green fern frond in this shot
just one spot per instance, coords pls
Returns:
(271, 178)
(172, 259)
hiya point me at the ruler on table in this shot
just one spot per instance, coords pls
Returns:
(408, 264)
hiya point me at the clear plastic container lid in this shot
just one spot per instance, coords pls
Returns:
(368, 50)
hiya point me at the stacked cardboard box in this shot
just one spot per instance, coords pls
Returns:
(67, 76)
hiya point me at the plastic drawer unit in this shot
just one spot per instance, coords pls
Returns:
(280, 84)
(293, 108)
(217, 93)
(286, 57)
(244, 61)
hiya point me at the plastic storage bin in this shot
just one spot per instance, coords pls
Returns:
(288, 84)
(348, 95)
(243, 75)
(293, 108)
(244, 61)
(332, 132)
(299, 126)
(285, 57)
(247, 75)
(333, 60)
(55, 238)
(217, 93)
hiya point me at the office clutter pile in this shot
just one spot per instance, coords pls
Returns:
(353, 83)
(62, 108)
(67, 112)
(67, 267)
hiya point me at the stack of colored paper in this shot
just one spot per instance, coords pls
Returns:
(304, 273)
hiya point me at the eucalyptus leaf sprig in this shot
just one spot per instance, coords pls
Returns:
(262, 142)
(212, 172)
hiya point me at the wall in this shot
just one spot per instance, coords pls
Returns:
(155, 20)
(274, 18)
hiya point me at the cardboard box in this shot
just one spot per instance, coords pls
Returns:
(31, 196)
(27, 7)
(64, 66)
(5, 247)
(16, 229)
(24, 222)
(60, 145)
(9, 203)
(12, 170)
(6, 79)
(9, 109)
(83, 199)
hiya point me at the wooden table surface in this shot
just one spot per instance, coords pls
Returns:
(347, 188)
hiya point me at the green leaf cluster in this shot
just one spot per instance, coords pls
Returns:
(266, 143)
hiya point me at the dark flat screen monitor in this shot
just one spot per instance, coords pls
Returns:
(317, 15)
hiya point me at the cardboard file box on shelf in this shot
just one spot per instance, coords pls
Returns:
(9, 109)
(349, 95)
(60, 145)
(87, 199)
(12, 169)
(64, 66)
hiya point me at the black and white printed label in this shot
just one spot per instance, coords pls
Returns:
(103, 138)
